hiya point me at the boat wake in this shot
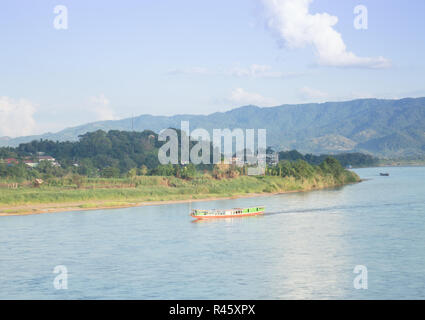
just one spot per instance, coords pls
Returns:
(334, 209)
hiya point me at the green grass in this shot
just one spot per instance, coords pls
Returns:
(104, 204)
(118, 192)
(14, 211)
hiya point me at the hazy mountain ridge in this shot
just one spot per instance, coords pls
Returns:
(382, 127)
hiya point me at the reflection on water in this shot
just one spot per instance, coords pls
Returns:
(305, 246)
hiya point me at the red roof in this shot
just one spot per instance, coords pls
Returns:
(11, 160)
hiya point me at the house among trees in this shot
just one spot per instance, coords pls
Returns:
(30, 161)
(9, 161)
(48, 158)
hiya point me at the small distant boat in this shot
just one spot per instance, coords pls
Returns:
(384, 174)
(227, 213)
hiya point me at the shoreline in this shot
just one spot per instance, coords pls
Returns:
(76, 206)
(28, 209)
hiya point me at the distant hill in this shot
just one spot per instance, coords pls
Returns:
(390, 128)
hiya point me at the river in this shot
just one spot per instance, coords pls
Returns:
(306, 246)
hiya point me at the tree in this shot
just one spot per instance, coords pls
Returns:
(292, 155)
(188, 171)
(132, 173)
(86, 168)
(143, 170)
(332, 166)
(110, 172)
(77, 180)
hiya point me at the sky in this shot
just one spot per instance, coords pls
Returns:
(105, 60)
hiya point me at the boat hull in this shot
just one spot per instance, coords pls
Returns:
(228, 214)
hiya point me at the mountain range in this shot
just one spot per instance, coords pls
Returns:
(384, 128)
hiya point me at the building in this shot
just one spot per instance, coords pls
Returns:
(10, 161)
(48, 158)
(31, 163)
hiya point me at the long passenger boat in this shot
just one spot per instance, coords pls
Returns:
(227, 213)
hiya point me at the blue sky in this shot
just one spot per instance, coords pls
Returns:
(119, 58)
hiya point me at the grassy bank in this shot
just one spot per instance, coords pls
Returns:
(121, 192)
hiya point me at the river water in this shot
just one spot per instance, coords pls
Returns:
(306, 246)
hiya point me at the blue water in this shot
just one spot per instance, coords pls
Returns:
(305, 247)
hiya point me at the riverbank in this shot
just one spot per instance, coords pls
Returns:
(82, 206)
(401, 163)
(155, 191)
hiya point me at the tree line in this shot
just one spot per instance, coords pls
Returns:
(116, 154)
(355, 159)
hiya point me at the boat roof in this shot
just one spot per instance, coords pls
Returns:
(233, 208)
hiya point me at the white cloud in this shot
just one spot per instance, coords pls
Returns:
(241, 97)
(101, 108)
(259, 71)
(308, 93)
(16, 117)
(292, 22)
